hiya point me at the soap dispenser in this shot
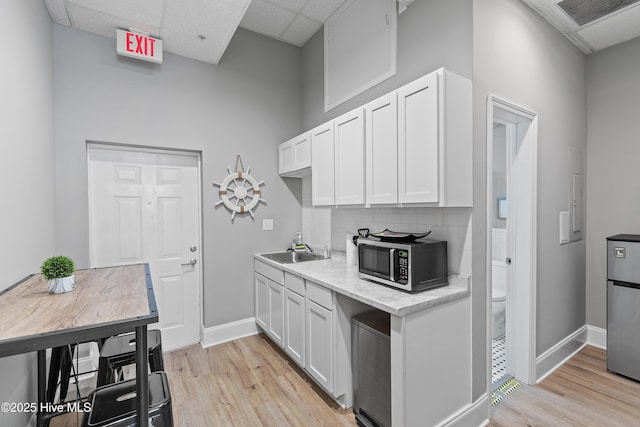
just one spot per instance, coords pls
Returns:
(300, 246)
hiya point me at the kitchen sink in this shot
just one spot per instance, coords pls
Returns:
(290, 257)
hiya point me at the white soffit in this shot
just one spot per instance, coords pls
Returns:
(617, 27)
(197, 29)
(201, 29)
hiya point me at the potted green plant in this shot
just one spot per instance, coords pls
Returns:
(58, 270)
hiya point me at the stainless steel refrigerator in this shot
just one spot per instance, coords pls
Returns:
(623, 305)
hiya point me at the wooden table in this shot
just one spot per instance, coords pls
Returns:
(107, 301)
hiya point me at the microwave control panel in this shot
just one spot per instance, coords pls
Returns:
(403, 266)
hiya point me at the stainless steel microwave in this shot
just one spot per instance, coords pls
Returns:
(413, 266)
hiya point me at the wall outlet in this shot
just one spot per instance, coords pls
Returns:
(267, 224)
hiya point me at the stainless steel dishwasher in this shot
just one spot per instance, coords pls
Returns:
(623, 305)
(371, 360)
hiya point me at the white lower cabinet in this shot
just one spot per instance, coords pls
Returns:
(319, 348)
(276, 312)
(269, 307)
(262, 301)
(294, 326)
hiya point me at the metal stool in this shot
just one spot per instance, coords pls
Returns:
(114, 405)
(120, 351)
(60, 367)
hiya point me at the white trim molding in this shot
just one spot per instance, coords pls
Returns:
(475, 414)
(597, 337)
(228, 332)
(557, 355)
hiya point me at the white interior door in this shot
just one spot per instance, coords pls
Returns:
(144, 207)
(522, 193)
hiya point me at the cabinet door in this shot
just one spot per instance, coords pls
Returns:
(319, 348)
(285, 157)
(294, 326)
(262, 302)
(381, 136)
(349, 158)
(276, 312)
(418, 138)
(322, 159)
(301, 151)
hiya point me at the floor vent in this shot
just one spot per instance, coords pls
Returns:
(585, 11)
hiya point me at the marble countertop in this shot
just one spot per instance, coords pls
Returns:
(335, 274)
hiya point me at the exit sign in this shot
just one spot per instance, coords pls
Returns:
(139, 46)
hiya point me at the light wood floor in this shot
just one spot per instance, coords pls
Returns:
(580, 393)
(250, 382)
(247, 382)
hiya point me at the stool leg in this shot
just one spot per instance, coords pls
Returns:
(160, 358)
(103, 372)
(156, 361)
(65, 372)
(54, 371)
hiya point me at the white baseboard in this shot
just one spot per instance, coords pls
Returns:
(553, 358)
(597, 337)
(228, 332)
(475, 414)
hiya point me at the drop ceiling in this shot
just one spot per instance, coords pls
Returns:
(202, 29)
(592, 25)
(197, 29)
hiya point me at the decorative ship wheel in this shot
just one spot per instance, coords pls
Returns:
(239, 191)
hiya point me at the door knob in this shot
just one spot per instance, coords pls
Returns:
(508, 260)
(192, 261)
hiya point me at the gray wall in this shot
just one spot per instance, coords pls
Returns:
(246, 105)
(518, 56)
(431, 34)
(613, 151)
(27, 212)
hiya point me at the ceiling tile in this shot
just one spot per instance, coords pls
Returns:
(292, 5)
(300, 31)
(320, 10)
(613, 29)
(265, 18)
(104, 24)
(143, 12)
(185, 20)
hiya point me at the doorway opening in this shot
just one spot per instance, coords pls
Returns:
(511, 240)
(145, 207)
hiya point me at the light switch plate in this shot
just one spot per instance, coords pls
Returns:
(267, 224)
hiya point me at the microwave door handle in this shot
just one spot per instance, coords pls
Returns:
(392, 272)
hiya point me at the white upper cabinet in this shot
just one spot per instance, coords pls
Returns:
(433, 146)
(349, 158)
(322, 165)
(418, 135)
(412, 146)
(435, 141)
(381, 120)
(294, 156)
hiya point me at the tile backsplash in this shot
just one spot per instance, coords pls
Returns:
(329, 226)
